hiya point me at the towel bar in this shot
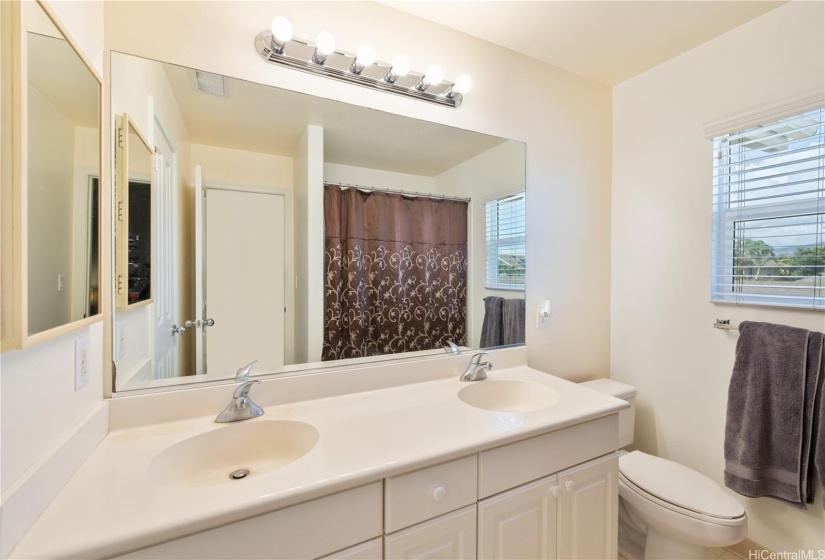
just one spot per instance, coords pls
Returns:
(724, 324)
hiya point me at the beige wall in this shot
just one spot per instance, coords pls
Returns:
(564, 119)
(239, 167)
(32, 426)
(378, 178)
(496, 172)
(662, 338)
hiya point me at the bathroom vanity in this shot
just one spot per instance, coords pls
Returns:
(408, 471)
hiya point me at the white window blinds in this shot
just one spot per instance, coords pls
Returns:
(769, 213)
(505, 236)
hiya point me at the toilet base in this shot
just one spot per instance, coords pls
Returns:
(660, 547)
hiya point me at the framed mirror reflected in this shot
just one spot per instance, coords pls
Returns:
(301, 233)
(134, 215)
(51, 250)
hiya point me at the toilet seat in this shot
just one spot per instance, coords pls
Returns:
(679, 489)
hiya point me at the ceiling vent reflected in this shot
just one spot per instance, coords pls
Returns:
(208, 83)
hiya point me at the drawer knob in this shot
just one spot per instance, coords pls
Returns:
(556, 491)
(439, 493)
(570, 486)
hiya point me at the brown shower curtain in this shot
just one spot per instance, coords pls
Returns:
(396, 273)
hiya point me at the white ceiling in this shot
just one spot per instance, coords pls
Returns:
(606, 41)
(270, 120)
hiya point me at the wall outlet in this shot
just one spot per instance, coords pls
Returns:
(60, 283)
(543, 313)
(120, 341)
(81, 362)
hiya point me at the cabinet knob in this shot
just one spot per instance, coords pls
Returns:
(570, 486)
(556, 491)
(439, 493)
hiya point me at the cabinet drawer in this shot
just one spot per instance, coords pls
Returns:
(308, 530)
(509, 466)
(427, 493)
(449, 537)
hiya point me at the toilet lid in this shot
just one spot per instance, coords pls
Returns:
(679, 485)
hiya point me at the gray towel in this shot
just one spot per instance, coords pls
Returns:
(513, 319)
(770, 412)
(819, 434)
(492, 325)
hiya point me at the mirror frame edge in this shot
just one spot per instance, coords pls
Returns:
(19, 338)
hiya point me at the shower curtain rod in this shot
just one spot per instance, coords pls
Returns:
(395, 191)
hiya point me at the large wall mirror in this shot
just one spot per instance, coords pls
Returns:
(301, 233)
(55, 192)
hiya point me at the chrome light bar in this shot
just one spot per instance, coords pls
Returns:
(340, 65)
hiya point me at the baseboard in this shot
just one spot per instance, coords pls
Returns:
(28, 497)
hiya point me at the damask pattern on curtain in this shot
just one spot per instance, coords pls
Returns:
(396, 273)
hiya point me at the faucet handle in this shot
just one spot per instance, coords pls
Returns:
(243, 373)
(476, 359)
(451, 348)
(242, 391)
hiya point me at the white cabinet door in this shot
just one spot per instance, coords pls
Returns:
(370, 550)
(589, 510)
(521, 523)
(449, 537)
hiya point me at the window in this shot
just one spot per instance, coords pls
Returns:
(769, 213)
(505, 224)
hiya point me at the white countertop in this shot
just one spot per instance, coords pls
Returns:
(111, 506)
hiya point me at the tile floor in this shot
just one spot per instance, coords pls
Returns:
(715, 554)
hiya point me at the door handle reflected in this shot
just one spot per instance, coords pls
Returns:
(178, 330)
(191, 324)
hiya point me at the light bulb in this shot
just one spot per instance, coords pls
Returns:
(325, 43)
(463, 84)
(433, 76)
(281, 30)
(400, 66)
(364, 56)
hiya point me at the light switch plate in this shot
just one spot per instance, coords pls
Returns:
(81, 362)
(120, 341)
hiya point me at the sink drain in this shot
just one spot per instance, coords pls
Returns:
(239, 474)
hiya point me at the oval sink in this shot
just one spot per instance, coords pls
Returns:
(223, 455)
(508, 396)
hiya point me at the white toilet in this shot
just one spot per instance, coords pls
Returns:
(667, 510)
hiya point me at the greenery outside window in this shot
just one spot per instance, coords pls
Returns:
(505, 242)
(769, 213)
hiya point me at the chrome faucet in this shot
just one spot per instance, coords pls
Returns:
(451, 348)
(477, 370)
(241, 406)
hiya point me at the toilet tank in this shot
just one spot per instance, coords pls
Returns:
(620, 391)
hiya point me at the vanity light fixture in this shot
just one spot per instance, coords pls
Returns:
(278, 45)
